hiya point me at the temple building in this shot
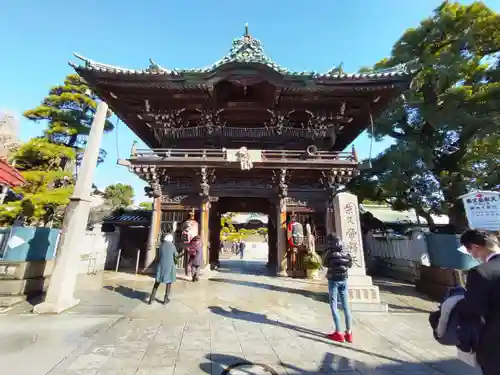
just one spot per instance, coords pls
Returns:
(247, 135)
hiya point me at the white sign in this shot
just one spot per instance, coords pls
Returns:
(483, 210)
(15, 241)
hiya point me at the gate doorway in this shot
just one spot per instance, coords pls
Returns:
(260, 253)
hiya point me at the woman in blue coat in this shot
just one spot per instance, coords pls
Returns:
(165, 267)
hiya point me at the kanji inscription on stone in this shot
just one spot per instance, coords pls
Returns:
(348, 226)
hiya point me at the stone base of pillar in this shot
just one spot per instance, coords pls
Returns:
(363, 295)
(55, 308)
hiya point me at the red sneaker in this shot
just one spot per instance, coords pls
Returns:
(348, 337)
(336, 336)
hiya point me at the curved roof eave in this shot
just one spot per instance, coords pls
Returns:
(248, 50)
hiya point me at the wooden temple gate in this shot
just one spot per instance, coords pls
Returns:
(244, 135)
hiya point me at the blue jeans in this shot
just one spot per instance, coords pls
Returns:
(338, 289)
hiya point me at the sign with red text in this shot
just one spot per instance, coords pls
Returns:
(483, 210)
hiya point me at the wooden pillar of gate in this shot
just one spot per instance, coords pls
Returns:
(272, 238)
(281, 241)
(215, 228)
(204, 229)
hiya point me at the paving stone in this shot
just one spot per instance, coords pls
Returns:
(239, 315)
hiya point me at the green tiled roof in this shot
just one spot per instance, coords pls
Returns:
(247, 50)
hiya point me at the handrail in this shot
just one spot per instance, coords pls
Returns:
(202, 154)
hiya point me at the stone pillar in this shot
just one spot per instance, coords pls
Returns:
(60, 294)
(204, 230)
(364, 295)
(154, 231)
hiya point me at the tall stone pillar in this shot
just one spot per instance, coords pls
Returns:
(154, 231)
(363, 294)
(60, 295)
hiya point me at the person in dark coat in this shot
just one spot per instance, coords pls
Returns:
(242, 246)
(165, 267)
(195, 257)
(479, 310)
(338, 261)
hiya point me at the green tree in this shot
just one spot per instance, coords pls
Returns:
(119, 195)
(146, 205)
(47, 188)
(68, 110)
(226, 222)
(40, 154)
(446, 126)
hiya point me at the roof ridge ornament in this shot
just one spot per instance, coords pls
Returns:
(156, 68)
(245, 50)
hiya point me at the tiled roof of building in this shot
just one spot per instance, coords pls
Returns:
(129, 217)
(247, 50)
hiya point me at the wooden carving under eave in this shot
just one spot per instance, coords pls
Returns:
(167, 199)
(292, 202)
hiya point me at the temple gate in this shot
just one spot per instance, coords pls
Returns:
(246, 131)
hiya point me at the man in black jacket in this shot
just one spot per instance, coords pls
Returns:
(481, 305)
(338, 263)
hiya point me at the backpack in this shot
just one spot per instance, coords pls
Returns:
(193, 246)
(296, 234)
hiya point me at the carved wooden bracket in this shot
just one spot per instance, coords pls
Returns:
(207, 176)
(337, 176)
(280, 181)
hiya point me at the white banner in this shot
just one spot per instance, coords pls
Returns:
(482, 209)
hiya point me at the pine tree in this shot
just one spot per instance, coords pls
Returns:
(69, 109)
(446, 126)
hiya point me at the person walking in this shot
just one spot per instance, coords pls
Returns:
(242, 247)
(165, 267)
(234, 247)
(195, 257)
(338, 261)
(479, 310)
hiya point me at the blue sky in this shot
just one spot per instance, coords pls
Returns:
(38, 39)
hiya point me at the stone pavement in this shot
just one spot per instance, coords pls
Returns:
(238, 316)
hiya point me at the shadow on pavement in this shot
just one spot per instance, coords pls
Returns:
(238, 314)
(222, 364)
(399, 287)
(128, 292)
(317, 296)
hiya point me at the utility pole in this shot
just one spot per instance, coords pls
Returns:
(60, 294)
